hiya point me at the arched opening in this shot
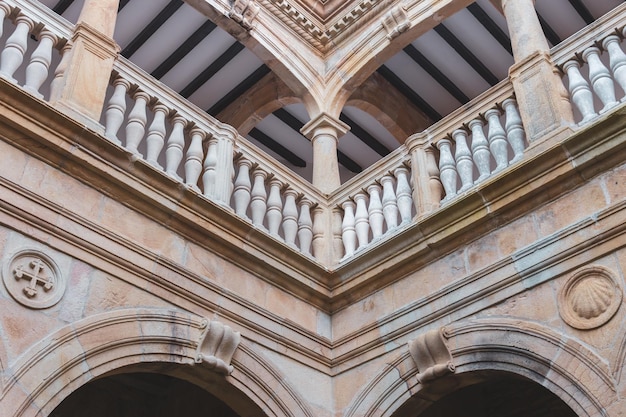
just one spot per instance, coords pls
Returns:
(485, 395)
(141, 394)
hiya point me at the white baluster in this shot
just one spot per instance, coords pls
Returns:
(39, 66)
(274, 207)
(497, 139)
(209, 176)
(156, 135)
(434, 178)
(348, 233)
(463, 157)
(318, 229)
(600, 78)
(241, 193)
(258, 206)
(13, 54)
(514, 129)
(193, 164)
(617, 60)
(403, 193)
(56, 86)
(390, 204)
(375, 209)
(305, 227)
(579, 91)
(361, 220)
(480, 150)
(5, 10)
(290, 217)
(114, 116)
(175, 145)
(136, 124)
(447, 169)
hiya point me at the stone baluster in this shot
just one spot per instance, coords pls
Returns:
(514, 130)
(114, 116)
(579, 91)
(258, 205)
(424, 174)
(497, 140)
(274, 206)
(336, 234)
(600, 78)
(56, 85)
(447, 169)
(243, 186)
(209, 176)
(463, 157)
(175, 145)
(617, 60)
(5, 10)
(435, 186)
(390, 203)
(403, 194)
(305, 227)
(290, 217)
(480, 150)
(348, 232)
(136, 124)
(375, 210)
(361, 220)
(156, 135)
(38, 69)
(319, 232)
(195, 154)
(13, 54)
(221, 188)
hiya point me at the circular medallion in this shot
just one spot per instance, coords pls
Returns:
(589, 298)
(33, 279)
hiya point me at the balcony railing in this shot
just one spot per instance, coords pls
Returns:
(159, 128)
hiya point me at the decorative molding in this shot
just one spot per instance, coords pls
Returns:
(431, 355)
(216, 346)
(589, 298)
(33, 279)
(244, 12)
(396, 21)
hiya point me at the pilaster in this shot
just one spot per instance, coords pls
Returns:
(427, 189)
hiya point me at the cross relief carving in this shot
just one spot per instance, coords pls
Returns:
(36, 272)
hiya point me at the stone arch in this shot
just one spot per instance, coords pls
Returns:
(154, 340)
(560, 364)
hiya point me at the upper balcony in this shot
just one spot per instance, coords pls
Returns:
(438, 186)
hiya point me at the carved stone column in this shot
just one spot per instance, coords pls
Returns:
(427, 189)
(324, 132)
(542, 98)
(82, 87)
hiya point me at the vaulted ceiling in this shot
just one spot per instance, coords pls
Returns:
(435, 74)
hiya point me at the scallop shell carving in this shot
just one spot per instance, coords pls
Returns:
(589, 298)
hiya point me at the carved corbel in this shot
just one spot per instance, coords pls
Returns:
(244, 12)
(216, 346)
(431, 355)
(396, 22)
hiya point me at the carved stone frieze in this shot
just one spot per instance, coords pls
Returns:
(216, 346)
(33, 279)
(589, 298)
(244, 12)
(431, 355)
(396, 21)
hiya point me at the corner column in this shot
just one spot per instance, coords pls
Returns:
(427, 188)
(324, 132)
(81, 89)
(542, 98)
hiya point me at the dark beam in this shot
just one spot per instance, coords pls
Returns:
(491, 26)
(186, 47)
(582, 11)
(364, 136)
(434, 72)
(551, 35)
(239, 90)
(279, 149)
(466, 54)
(62, 6)
(212, 69)
(294, 123)
(123, 4)
(152, 27)
(407, 91)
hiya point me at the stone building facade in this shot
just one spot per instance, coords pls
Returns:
(239, 289)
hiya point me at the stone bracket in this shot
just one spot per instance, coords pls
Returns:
(244, 12)
(431, 355)
(216, 346)
(396, 22)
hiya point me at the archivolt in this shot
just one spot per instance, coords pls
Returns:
(126, 340)
(565, 367)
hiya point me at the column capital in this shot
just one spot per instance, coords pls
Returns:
(323, 122)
